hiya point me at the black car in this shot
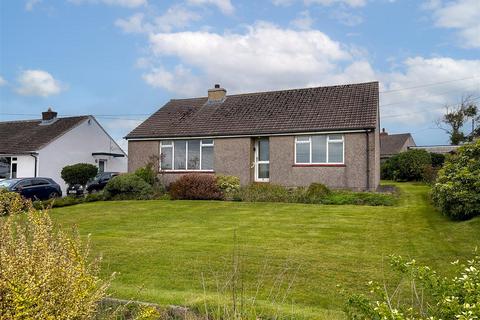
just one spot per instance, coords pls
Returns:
(93, 186)
(33, 188)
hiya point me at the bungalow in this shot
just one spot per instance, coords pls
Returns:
(291, 137)
(32, 148)
(392, 144)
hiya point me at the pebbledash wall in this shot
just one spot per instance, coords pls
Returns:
(234, 156)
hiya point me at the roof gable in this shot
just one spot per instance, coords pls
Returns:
(341, 107)
(393, 143)
(18, 137)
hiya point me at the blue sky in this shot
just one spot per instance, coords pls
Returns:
(120, 60)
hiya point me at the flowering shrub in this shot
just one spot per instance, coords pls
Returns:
(228, 184)
(432, 296)
(44, 273)
(12, 203)
(457, 190)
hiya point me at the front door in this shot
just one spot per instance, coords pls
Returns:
(101, 166)
(262, 160)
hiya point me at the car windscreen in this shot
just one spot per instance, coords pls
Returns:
(8, 183)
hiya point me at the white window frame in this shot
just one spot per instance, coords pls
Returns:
(309, 141)
(258, 162)
(172, 146)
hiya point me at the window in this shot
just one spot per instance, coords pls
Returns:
(8, 167)
(186, 154)
(319, 149)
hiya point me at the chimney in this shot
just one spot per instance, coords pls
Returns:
(384, 133)
(49, 116)
(216, 94)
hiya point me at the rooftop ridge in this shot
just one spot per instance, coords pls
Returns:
(279, 91)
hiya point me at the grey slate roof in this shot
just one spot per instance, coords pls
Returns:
(353, 106)
(20, 137)
(392, 143)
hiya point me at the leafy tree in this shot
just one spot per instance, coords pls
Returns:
(456, 117)
(457, 190)
(406, 166)
(79, 173)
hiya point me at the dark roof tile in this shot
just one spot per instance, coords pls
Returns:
(18, 137)
(353, 106)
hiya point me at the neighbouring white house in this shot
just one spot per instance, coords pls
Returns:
(41, 148)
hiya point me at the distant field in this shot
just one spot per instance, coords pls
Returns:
(163, 249)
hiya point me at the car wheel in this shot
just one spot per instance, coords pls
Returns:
(53, 195)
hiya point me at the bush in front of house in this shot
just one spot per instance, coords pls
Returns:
(406, 166)
(46, 273)
(316, 193)
(147, 173)
(431, 296)
(229, 185)
(79, 173)
(12, 203)
(265, 192)
(127, 186)
(196, 186)
(457, 190)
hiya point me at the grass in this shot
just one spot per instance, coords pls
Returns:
(163, 249)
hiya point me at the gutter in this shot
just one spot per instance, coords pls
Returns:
(34, 155)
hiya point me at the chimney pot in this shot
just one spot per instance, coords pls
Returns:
(384, 133)
(217, 94)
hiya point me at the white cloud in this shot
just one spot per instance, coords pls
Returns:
(264, 57)
(462, 15)
(175, 17)
(351, 3)
(426, 102)
(303, 21)
(2, 81)
(347, 18)
(30, 4)
(223, 5)
(121, 3)
(37, 83)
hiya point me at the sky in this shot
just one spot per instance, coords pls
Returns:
(121, 60)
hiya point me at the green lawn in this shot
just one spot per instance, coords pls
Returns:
(163, 249)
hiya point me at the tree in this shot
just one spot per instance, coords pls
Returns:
(79, 173)
(456, 117)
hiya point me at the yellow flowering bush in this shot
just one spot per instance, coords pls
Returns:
(45, 273)
(12, 203)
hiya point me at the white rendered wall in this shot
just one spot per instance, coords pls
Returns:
(77, 146)
(25, 166)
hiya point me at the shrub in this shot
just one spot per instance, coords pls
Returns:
(317, 192)
(432, 296)
(128, 187)
(430, 174)
(437, 159)
(79, 173)
(457, 190)
(12, 203)
(406, 166)
(196, 187)
(45, 272)
(265, 192)
(148, 174)
(229, 185)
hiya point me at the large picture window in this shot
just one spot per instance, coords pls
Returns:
(186, 155)
(319, 149)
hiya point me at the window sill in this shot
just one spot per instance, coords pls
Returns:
(320, 165)
(186, 171)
